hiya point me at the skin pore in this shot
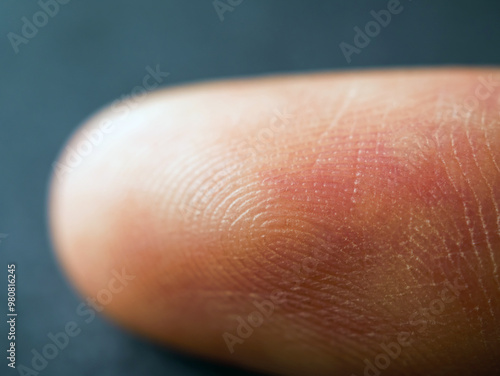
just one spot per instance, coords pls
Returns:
(324, 224)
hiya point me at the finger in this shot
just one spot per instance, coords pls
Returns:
(314, 224)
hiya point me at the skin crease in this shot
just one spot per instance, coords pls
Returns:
(368, 203)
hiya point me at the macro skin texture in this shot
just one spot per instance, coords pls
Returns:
(358, 214)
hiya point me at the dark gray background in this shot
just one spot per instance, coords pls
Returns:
(94, 51)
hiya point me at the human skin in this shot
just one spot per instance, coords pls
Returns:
(369, 202)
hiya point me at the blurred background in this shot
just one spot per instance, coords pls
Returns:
(60, 61)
